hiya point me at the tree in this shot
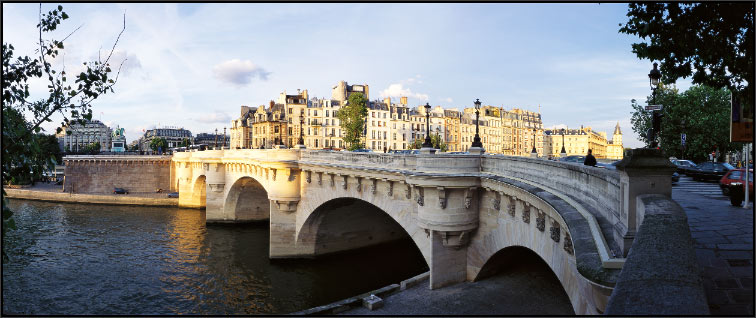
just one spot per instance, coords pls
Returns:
(715, 39)
(352, 119)
(701, 113)
(159, 143)
(93, 148)
(436, 140)
(22, 152)
(185, 143)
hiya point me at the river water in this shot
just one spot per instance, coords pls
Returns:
(70, 259)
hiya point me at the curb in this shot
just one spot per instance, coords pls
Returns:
(356, 301)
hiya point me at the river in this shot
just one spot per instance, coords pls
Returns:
(69, 259)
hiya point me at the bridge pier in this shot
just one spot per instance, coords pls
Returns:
(642, 171)
(283, 230)
(448, 211)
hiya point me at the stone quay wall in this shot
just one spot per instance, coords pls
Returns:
(100, 174)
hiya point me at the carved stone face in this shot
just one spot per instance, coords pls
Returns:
(568, 243)
(540, 221)
(468, 202)
(555, 231)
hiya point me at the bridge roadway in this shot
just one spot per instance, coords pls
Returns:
(460, 210)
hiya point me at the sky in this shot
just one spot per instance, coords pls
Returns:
(194, 65)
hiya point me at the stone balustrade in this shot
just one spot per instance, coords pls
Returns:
(661, 275)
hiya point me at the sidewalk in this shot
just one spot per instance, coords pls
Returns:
(723, 239)
(529, 288)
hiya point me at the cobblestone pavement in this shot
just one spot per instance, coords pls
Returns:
(723, 239)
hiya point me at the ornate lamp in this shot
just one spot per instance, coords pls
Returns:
(301, 128)
(427, 143)
(653, 80)
(563, 152)
(476, 140)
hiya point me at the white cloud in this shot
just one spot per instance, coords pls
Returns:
(239, 72)
(398, 90)
(216, 117)
(130, 62)
(448, 100)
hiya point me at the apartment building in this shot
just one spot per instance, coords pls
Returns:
(578, 141)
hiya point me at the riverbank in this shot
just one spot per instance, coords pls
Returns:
(53, 193)
(527, 287)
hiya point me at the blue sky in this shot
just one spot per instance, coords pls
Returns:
(193, 65)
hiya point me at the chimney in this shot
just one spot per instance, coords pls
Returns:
(387, 100)
(403, 100)
(271, 104)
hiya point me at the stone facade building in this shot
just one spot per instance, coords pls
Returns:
(578, 141)
(270, 127)
(174, 136)
(614, 147)
(394, 126)
(82, 135)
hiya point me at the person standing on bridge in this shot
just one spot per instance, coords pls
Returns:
(589, 159)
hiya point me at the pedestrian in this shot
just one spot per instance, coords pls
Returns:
(589, 159)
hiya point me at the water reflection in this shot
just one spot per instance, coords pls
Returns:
(98, 260)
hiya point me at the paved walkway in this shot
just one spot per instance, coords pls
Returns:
(723, 239)
(527, 288)
(51, 187)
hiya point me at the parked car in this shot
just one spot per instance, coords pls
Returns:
(173, 195)
(710, 171)
(735, 176)
(610, 166)
(683, 166)
(458, 153)
(362, 150)
(578, 159)
(120, 191)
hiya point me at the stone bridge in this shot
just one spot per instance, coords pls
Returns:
(461, 211)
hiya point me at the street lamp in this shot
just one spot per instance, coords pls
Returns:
(280, 132)
(476, 140)
(427, 143)
(224, 138)
(215, 145)
(563, 153)
(534, 142)
(653, 80)
(301, 128)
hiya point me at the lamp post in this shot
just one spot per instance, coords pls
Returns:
(280, 133)
(563, 153)
(653, 80)
(476, 140)
(534, 151)
(427, 143)
(224, 138)
(301, 128)
(215, 145)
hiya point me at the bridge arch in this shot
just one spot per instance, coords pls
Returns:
(520, 258)
(380, 212)
(246, 200)
(199, 191)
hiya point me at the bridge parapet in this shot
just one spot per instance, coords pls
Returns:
(364, 160)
